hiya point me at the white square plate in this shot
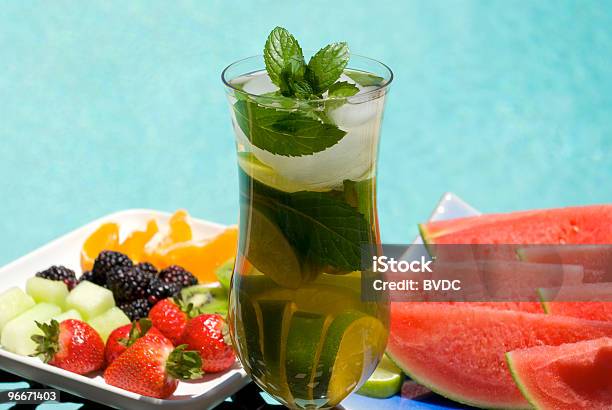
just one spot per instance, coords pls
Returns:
(204, 393)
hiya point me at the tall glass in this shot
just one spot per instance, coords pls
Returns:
(307, 177)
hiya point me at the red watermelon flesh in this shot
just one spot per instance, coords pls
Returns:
(591, 301)
(574, 225)
(458, 351)
(530, 307)
(596, 259)
(574, 376)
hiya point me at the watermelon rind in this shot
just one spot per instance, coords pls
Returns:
(543, 301)
(519, 382)
(458, 399)
(520, 254)
(427, 239)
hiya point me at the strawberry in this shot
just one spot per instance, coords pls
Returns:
(125, 336)
(168, 317)
(72, 345)
(152, 367)
(208, 335)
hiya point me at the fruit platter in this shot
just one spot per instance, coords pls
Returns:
(86, 314)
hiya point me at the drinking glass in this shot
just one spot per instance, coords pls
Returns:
(307, 182)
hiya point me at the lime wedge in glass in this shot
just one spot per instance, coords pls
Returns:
(385, 382)
(265, 174)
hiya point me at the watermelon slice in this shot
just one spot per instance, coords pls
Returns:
(500, 281)
(575, 225)
(458, 351)
(596, 259)
(567, 377)
(591, 301)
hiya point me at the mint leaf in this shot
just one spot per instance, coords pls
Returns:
(326, 66)
(364, 79)
(288, 133)
(303, 89)
(324, 230)
(336, 231)
(342, 89)
(283, 57)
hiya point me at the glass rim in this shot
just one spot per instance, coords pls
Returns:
(375, 91)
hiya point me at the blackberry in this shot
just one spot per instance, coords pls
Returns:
(147, 267)
(159, 290)
(178, 275)
(136, 309)
(106, 262)
(128, 283)
(59, 273)
(86, 276)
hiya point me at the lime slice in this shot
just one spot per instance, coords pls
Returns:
(276, 317)
(318, 299)
(248, 337)
(353, 342)
(265, 174)
(385, 382)
(302, 350)
(270, 252)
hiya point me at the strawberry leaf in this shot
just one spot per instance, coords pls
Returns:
(184, 364)
(139, 329)
(48, 342)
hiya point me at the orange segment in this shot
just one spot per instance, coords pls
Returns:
(134, 245)
(203, 259)
(105, 237)
(180, 230)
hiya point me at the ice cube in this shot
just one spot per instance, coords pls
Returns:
(259, 84)
(351, 158)
(358, 109)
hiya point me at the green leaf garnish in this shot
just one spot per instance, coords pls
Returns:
(292, 121)
(342, 89)
(283, 57)
(303, 89)
(287, 69)
(289, 133)
(363, 78)
(326, 66)
(335, 230)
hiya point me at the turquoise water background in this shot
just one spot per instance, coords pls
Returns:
(107, 105)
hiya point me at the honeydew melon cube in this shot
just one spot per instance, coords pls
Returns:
(90, 300)
(17, 334)
(47, 291)
(69, 314)
(13, 302)
(109, 321)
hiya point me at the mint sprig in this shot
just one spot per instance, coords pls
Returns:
(287, 122)
(288, 70)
